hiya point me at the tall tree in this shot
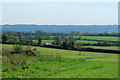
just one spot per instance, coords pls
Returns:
(5, 37)
(57, 40)
(39, 40)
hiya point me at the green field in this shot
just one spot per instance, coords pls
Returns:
(44, 41)
(57, 63)
(84, 41)
(78, 41)
(102, 47)
(97, 37)
(101, 38)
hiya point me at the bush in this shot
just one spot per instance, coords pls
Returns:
(17, 48)
(35, 49)
(28, 48)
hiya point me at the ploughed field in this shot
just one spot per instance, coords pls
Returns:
(58, 63)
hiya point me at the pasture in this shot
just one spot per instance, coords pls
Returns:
(57, 63)
(84, 41)
(96, 37)
(78, 41)
(101, 38)
(103, 47)
(44, 41)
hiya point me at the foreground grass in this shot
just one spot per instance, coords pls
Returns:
(57, 63)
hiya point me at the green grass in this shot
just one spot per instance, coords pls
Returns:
(103, 47)
(83, 41)
(57, 63)
(78, 41)
(101, 38)
(44, 41)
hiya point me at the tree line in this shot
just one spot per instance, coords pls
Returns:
(60, 39)
(47, 35)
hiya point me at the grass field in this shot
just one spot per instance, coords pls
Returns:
(104, 47)
(44, 41)
(97, 37)
(78, 41)
(101, 38)
(83, 41)
(57, 63)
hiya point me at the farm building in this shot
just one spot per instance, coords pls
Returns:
(48, 43)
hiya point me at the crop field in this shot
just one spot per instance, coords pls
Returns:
(58, 63)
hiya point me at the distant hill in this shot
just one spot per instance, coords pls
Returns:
(62, 28)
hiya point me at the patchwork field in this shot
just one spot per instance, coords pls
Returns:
(57, 63)
(78, 41)
(85, 41)
(97, 37)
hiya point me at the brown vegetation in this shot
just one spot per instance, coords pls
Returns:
(29, 52)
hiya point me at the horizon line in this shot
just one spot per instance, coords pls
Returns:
(53, 24)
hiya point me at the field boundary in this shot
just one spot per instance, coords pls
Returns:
(86, 49)
(83, 49)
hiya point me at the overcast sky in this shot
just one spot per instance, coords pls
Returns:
(60, 12)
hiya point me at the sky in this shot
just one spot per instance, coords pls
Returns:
(59, 0)
(59, 12)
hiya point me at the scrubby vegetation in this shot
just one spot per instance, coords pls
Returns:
(17, 48)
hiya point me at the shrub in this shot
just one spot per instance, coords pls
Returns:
(28, 48)
(5, 52)
(17, 48)
(35, 49)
